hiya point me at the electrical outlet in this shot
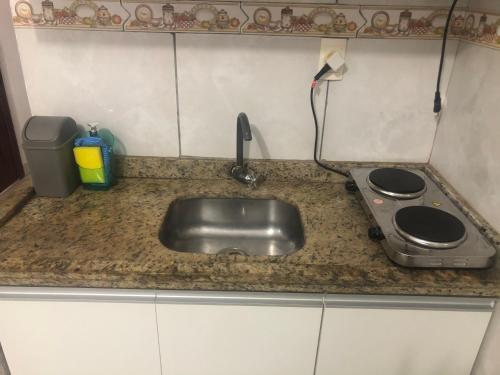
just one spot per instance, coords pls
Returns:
(329, 46)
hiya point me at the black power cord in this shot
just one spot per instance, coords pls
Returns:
(328, 168)
(437, 95)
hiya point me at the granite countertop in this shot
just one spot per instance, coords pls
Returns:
(14, 198)
(110, 239)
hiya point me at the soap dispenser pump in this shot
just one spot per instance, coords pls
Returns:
(93, 129)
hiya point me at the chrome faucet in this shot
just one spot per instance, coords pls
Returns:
(240, 171)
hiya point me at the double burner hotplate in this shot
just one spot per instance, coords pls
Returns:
(416, 223)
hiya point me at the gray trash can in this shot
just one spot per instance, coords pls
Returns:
(48, 145)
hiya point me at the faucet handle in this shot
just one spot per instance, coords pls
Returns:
(245, 175)
(252, 179)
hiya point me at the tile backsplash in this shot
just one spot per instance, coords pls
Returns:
(126, 82)
(165, 95)
(173, 83)
(382, 109)
(467, 147)
(220, 76)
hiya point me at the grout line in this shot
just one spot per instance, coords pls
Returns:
(323, 125)
(177, 95)
(319, 337)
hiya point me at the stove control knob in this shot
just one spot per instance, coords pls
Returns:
(376, 234)
(351, 186)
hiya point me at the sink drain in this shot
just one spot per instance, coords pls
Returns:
(232, 251)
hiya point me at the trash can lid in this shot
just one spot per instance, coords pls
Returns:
(49, 131)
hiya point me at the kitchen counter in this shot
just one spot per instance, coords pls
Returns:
(110, 239)
(14, 198)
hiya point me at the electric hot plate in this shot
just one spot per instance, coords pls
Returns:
(416, 223)
(396, 183)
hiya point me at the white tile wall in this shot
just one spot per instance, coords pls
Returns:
(382, 110)
(126, 81)
(467, 147)
(266, 77)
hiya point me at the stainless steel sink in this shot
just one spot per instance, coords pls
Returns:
(232, 226)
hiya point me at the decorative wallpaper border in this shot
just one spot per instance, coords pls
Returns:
(482, 28)
(258, 18)
(185, 16)
(414, 23)
(302, 19)
(69, 14)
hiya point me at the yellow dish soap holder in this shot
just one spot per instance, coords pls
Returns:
(93, 155)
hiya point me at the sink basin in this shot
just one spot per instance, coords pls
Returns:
(232, 226)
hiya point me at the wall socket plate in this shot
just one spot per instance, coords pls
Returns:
(329, 46)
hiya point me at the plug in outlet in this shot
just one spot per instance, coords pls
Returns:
(329, 47)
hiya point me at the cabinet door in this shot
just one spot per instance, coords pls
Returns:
(488, 360)
(73, 338)
(243, 340)
(358, 341)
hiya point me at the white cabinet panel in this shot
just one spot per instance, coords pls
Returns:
(488, 359)
(243, 340)
(394, 341)
(79, 338)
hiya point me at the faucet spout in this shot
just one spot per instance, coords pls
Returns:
(243, 132)
(239, 171)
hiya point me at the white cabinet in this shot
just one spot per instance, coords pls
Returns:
(488, 360)
(235, 336)
(394, 338)
(51, 334)
(51, 331)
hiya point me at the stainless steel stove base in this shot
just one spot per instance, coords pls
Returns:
(406, 259)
